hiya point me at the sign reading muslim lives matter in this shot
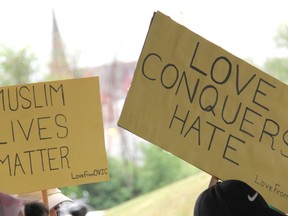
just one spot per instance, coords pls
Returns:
(51, 135)
(211, 109)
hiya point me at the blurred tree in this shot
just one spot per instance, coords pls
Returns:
(281, 38)
(107, 194)
(16, 67)
(73, 191)
(161, 168)
(278, 66)
(156, 169)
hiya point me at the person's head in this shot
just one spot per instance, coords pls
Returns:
(55, 198)
(36, 209)
(55, 211)
(232, 198)
(78, 210)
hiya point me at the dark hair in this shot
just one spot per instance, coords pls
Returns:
(78, 210)
(36, 209)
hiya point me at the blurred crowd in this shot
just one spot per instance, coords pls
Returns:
(34, 204)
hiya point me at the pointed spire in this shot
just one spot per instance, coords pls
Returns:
(59, 66)
(55, 25)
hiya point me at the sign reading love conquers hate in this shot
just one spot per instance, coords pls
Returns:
(51, 135)
(210, 108)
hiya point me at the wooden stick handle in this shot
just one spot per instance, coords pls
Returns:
(45, 198)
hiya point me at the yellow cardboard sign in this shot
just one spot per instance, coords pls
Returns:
(51, 135)
(210, 108)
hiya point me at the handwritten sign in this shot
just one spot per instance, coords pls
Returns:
(51, 135)
(210, 108)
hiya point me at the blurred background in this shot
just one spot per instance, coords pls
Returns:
(52, 40)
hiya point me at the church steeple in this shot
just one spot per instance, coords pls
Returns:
(59, 66)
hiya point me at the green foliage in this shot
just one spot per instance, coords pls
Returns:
(73, 191)
(16, 67)
(129, 180)
(281, 38)
(278, 67)
(118, 189)
(161, 168)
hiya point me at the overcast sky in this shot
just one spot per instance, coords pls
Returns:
(100, 31)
